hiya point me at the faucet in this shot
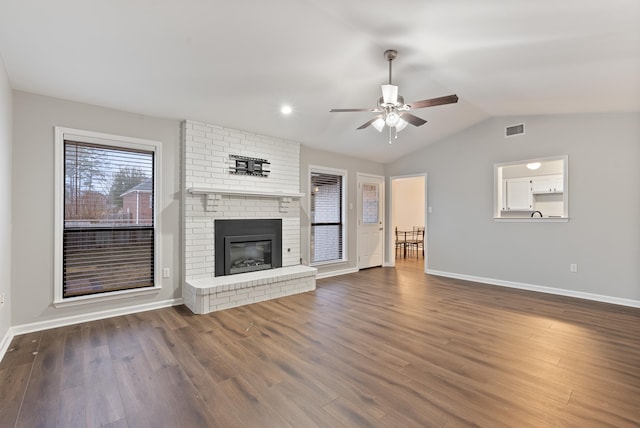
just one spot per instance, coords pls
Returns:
(532, 214)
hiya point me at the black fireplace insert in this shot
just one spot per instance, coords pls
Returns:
(247, 245)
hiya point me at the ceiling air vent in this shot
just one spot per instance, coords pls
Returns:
(512, 131)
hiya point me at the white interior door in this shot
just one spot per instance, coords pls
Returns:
(370, 220)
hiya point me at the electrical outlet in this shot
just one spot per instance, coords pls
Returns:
(573, 267)
(166, 273)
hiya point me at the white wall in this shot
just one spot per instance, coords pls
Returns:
(5, 197)
(408, 203)
(353, 166)
(602, 235)
(34, 118)
(207, 164)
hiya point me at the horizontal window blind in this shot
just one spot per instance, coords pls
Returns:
(327, 226)
(109, 230)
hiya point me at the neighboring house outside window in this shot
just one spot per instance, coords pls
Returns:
(137, 202)
(327, 214)
(106, 240)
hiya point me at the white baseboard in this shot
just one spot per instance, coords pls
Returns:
(93, 316)
(5, 342)
(76, 319)
(321, 275)
(539, 288)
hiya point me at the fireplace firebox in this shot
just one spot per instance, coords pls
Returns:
(247, 245)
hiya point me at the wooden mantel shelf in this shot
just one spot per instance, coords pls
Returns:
(213, 195)
(257, 193)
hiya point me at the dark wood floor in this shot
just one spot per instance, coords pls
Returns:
(383, 347)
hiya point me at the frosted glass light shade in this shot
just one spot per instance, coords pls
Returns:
(378, 124)
(401, 125)
(534, 165)
(392, 119)
(389, 94)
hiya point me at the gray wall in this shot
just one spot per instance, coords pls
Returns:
(34, 118)
(353, 166)
(602, 235)
(5, 197)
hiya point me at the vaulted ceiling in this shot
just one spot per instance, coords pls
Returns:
(236, 63)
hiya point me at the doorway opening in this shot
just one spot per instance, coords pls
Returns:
(408, 221)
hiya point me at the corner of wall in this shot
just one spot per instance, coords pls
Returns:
(6, 142)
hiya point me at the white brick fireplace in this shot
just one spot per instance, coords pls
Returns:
(213, 192)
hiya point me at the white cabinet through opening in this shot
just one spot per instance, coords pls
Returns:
(517, 194)
(547, 184)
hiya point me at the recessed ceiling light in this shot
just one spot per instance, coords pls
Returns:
(286, 109)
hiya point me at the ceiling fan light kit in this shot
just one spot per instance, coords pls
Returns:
(378, 123)
(394, 112)
(392, 119)
(389, 94)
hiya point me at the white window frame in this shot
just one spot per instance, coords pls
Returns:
(498, 191)
(116, 141)
(344, 174)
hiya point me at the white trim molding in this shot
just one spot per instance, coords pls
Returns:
(61, 134)
(390, 259)
(77, 319)
(345, 224)
(532, 220)
(213, 196)
(104, 297)
(5, 342)
(93, 316)
(258, 193)
(539, 288)
(332, 273)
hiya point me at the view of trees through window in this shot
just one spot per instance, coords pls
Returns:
(108, 234)
(107, 186)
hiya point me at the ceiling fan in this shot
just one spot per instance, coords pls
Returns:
(393, 111)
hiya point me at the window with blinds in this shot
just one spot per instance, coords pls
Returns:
(327, 217)
(108, 223)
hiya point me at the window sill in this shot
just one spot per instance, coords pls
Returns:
(104, 297)
(532, 220)
(329, 262)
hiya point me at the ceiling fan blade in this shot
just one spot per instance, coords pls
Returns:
(369, 122)
(449, 99)
(342, 110)
(389, 94)
(414, 120)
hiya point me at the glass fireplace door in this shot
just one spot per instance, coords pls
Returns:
(246, 254)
